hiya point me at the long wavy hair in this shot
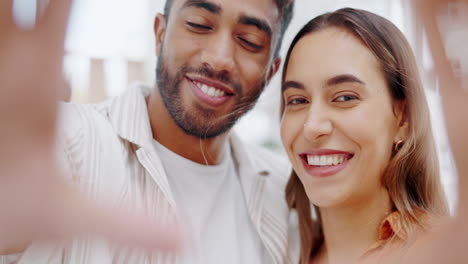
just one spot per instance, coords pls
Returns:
(412, 175)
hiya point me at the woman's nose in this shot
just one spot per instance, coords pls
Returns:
(317, 125)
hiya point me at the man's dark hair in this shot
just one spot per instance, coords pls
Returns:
(286, 12)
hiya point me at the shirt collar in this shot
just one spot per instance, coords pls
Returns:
(128, 115)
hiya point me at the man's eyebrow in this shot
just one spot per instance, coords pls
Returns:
(292, 84)
(344, 78)
(203, 4)
(256, 22)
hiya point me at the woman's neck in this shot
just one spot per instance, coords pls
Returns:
(351, 229)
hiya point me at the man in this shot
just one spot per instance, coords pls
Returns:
(169, 150)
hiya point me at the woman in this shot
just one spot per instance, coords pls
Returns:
(356, 128)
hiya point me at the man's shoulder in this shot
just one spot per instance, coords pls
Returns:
(78, 111)
(276, 159)
(80, 129)
(276, 163)
(104, 115)
(78, 118)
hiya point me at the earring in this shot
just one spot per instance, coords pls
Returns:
(397, 146)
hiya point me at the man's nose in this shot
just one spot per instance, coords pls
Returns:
(219, 54)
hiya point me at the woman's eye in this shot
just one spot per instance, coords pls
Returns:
(345, 98)
(198, 26)
(296, 101)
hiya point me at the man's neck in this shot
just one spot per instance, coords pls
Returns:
(350, 230)
(171, 136)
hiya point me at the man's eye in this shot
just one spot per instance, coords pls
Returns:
(251, 45)
(198, 27)
(345, 98)
(296, 101)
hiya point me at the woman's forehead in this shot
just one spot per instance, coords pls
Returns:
(331, 51)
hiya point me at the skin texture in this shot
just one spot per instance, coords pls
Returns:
(356, 116)
(241, 61)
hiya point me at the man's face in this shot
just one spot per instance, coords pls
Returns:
(214, 60)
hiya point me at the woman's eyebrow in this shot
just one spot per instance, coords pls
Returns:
(292, 84)
(344, 78)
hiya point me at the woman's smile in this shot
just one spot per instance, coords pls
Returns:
(325, 162)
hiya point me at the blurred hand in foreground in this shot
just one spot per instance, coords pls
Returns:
(35, 201)
(448, 243)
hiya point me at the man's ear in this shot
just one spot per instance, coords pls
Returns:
(159, 31)
(274, 68)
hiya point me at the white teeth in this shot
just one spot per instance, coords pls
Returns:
(325, 160)
(211, 91)
(316, 160)
(204, 88)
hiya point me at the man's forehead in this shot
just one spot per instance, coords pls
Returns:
(266, 9)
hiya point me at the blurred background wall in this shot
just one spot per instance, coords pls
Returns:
(110, 44)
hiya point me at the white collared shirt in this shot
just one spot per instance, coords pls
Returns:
(108, 148)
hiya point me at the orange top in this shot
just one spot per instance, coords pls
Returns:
(390, 228)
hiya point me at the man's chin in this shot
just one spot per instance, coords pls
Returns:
(205, 132)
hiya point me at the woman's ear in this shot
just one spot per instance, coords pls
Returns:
(402, 121)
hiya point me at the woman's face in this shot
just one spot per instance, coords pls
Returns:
(339, 124)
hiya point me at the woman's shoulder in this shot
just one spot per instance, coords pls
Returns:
(398, 233)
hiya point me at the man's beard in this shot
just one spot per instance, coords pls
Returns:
(199, 121)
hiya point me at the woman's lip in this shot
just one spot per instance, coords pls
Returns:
(319, 152)
(324, 171)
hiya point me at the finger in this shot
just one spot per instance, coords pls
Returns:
(46, 216)
(54, 22)
(427, 12)
(40, 7)
(135, 229)
(6, 13)
(80, 215)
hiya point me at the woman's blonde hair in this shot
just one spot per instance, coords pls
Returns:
(412, 175)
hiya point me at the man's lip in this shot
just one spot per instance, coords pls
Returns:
(213, 101)
(227, 90)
